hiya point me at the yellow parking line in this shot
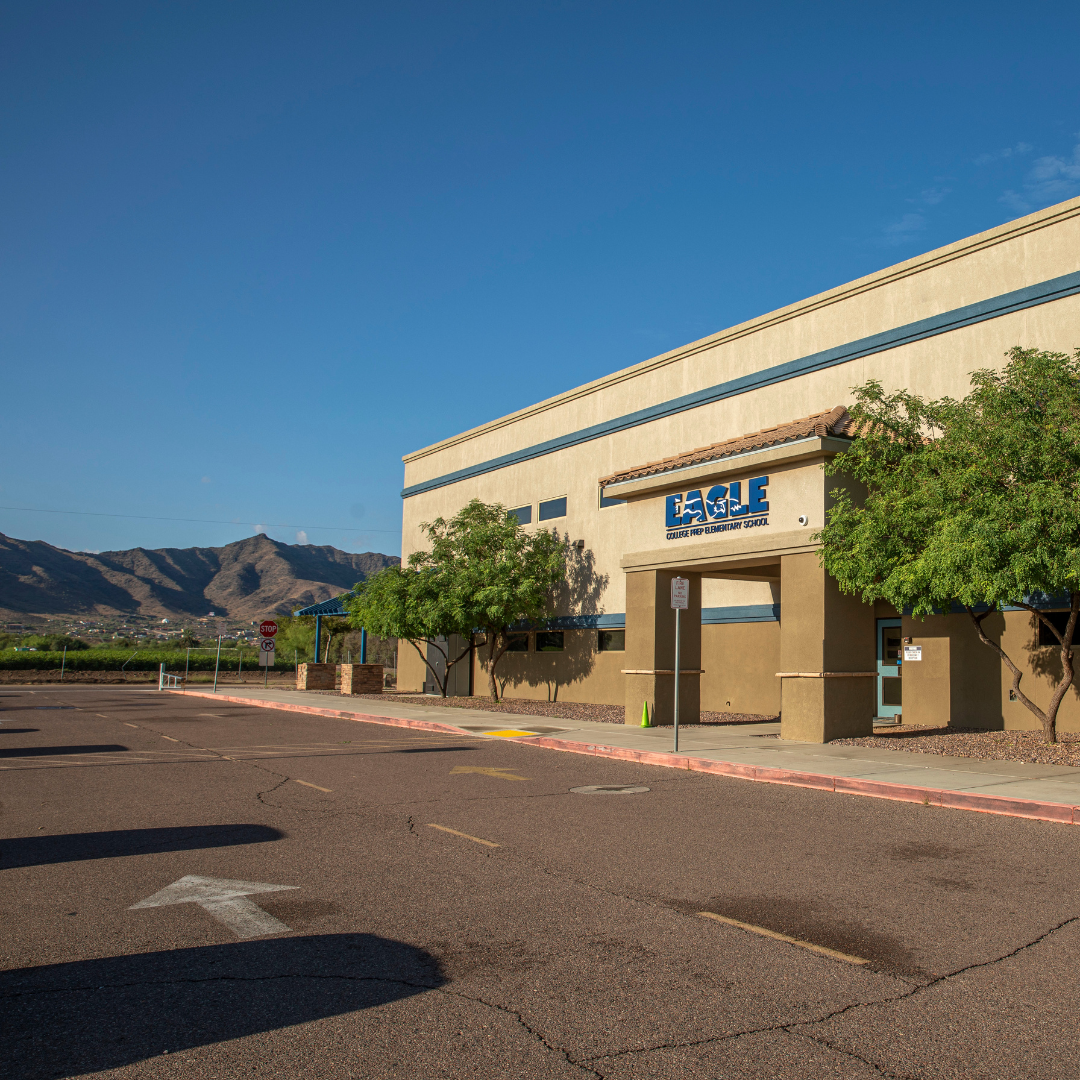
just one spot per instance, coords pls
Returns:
(170, 740)
(329, 791)
(126, 724)
(463, 835)
(832, 953)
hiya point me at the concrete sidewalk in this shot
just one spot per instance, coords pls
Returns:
(1045, 792)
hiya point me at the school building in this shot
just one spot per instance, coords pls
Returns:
(705, 463)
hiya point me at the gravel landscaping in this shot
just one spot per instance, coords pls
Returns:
(559, 710)
(1020, 746)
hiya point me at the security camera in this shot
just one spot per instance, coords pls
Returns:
(803, 519)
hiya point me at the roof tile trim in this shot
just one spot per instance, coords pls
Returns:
(834, 422)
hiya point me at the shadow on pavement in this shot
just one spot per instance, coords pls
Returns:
(75, 847)
(92, 1015)
(49, 751)
(17, 730)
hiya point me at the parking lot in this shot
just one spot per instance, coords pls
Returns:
(203, 889)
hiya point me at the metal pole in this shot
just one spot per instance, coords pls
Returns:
(63, 662)
(363, 646)
(678, 664)
(240, 665)
(266, 675)
(187, 666)
(217, 662)
(318, 634)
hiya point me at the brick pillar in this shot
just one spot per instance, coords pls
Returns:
(316, 676)
(361, 678)
(828, 652)
(650, 648)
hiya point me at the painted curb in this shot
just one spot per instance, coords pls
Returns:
(1032, 809)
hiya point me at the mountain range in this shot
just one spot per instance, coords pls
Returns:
(249, 579)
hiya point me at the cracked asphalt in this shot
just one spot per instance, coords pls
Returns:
(571, 944)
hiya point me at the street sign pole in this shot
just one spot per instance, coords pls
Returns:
(680, 599)
(678, 662)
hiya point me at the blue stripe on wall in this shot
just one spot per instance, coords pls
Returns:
(743, 613)
(1032, 296)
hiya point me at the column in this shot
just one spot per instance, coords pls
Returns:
(827, 654)
(650, 648)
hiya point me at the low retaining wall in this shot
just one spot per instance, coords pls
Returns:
(361, 678)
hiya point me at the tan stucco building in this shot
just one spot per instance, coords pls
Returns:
(705, 462)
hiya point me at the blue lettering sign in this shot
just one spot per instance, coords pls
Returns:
(757, 501)
(673, 505)
(693, 508)
(720, 503)
(716, 502)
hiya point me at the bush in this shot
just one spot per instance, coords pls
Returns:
(144, 660)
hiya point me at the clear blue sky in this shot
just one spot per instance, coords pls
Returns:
(255, 252)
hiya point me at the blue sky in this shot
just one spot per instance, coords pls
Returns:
(255, 252)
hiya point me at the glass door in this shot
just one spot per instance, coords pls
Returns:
(889, 657)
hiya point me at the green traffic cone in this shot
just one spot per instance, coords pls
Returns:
(645, 714)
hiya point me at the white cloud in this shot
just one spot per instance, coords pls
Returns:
(1007, 152)
(932, 196)
(205, 480)
(901, 231)
(1050, 179)
(260, 529)
(301, 537)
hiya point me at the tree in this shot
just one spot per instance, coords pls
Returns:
(483, 572)
(975, 502)
(404, 602)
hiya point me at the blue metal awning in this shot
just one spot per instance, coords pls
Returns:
(327, 607)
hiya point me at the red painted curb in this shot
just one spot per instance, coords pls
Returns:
(841, 785)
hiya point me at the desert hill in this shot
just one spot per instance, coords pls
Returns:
(245, 580)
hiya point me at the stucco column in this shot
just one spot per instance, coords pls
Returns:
(824, 635)
(650, 648)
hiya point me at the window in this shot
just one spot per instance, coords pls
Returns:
(611, 641)
(1060, 619)
(553, 508)
(605, 501)
(518, 643)
(522, 513)
(549, 641)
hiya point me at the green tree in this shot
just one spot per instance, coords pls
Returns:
(483, 572)
(404, 602)
(975, 502)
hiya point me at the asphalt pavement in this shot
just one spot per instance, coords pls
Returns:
(200, 889)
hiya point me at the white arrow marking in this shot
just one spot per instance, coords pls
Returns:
(225, 900)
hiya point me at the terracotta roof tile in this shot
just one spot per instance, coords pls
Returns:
(834, 422)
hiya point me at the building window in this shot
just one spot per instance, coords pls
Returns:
(605, 501)
(1060, 619)
(518, 643)
(522, 513)
(611, 641)
(553, 508)
(549, 641)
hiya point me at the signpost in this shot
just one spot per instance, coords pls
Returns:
(680, 601)
(266, 647)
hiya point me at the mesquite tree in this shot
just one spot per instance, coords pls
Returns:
(404, 602)
(975, 502)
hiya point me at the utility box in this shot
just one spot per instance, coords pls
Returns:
(316, 676)
(361, 678)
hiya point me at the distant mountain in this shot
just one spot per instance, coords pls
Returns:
(246, 580)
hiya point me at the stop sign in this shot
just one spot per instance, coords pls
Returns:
(268, 628)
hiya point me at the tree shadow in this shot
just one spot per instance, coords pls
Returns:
(1045, 660)
(77, 847)
(93, 1015)
(577, 597)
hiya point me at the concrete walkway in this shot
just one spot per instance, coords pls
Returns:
(1045, 792)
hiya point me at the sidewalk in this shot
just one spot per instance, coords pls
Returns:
(1044, 792)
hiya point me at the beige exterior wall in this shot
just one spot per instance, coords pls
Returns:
(630, 538)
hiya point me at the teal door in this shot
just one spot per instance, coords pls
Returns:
(889, 656)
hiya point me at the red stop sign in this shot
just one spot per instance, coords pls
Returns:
(268, 628)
